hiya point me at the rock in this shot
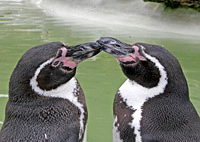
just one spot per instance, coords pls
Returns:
(179, 3)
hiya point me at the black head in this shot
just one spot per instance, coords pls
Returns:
(140, 61)
(49, 65)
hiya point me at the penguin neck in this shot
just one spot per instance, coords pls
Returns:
(144, 73)
(62, 91)
(27, 89)
(143, 93)
(135, 95)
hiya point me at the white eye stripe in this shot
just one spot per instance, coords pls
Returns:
(141, 94)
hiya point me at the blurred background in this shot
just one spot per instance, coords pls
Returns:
(27, 23)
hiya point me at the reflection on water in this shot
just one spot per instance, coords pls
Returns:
(23, 25)
(130, 13)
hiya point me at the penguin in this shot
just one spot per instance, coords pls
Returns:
(153, 104)
(46, 102)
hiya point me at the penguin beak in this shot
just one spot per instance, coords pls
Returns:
(71, 56)
(123, 52)
(81, 52)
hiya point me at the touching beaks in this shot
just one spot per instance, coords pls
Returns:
(125, 53)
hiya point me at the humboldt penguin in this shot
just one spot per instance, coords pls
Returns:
(46, 102)
(153, 104)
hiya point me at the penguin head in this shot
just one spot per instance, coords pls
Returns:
(63, 66)
(139, 62)
(48, 66)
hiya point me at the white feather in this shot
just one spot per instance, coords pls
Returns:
(65, 91)
(136, 95)
(116, 133)
(85, 134)
(3, 95)
(45, 136)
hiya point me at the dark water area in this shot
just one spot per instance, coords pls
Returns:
(24, 25)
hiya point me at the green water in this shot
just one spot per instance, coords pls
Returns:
(23, 26)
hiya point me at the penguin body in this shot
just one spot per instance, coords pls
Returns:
(46, 102)
(153, 104)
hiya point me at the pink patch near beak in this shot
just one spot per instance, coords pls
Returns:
(128, 58)
(67, 61)
(137, 54)
(133, 56)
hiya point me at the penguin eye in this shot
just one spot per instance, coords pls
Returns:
(59, 53)
(132, 50)
(56, 63)
(117, 45)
